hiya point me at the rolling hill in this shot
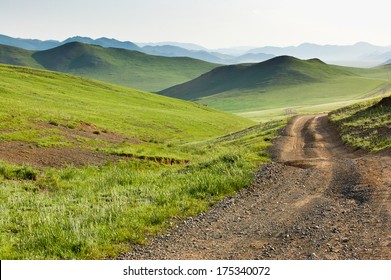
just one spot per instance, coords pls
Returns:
(40, 95)
(89, 169)
(123, 67)
(282, 71)
(279, 85)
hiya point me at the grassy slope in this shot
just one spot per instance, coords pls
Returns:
(365, 125)
(96, 212)
(29, 95)
(266, 90)
(123, 67)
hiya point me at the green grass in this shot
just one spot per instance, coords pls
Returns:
(123, 67)
(30, 97)
(365, 125)
(99, 211)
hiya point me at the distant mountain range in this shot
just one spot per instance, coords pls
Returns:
(115, 65)
(168, 49)
(358, 55)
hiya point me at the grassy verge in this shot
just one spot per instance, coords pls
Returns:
(365, 125)
(97, 212)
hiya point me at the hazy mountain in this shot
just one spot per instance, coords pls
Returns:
(188, 46)
(28, 44)
(104, 42)
(359, 55)
(352, 55)
(279, 71)
(253, 57)
(119, 66)
(174, 51)
(36, 45)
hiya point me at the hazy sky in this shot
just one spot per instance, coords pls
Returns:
(212, 23)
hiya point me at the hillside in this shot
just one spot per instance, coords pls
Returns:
(38, 95)
(283, 84)
(123, 67)
(365, 125)
(88, 169)
(280, 71)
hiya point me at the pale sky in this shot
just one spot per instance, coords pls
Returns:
(211, 23)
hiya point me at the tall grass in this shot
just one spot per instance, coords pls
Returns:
(364, 125)
(96, 212)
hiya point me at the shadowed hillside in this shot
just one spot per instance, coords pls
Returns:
(279, 71)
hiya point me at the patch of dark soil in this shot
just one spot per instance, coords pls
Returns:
(89, 131)
(18, 152)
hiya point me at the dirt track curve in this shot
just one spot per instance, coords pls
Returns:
(316, 200)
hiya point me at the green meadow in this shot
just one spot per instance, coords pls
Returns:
(98, 211)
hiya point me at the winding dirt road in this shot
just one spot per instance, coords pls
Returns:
(316, 200)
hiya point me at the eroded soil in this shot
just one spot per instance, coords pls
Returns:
(76, 154)
(316, 200)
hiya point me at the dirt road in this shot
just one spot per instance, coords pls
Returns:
(316, 200)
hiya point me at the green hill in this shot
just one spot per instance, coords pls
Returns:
(279, 71)
(87, 169)
(39, 95)
(283, 84)
(123, 67)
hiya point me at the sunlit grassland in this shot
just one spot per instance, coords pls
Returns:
(97, 212)
(30, 96)
(275, 102)
(365, 125)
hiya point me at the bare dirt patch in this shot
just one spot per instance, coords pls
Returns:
(89, 131)
(18, 152)
(317, 200)
(77, 154)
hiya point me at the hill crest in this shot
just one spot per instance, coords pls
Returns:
(278, 71)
